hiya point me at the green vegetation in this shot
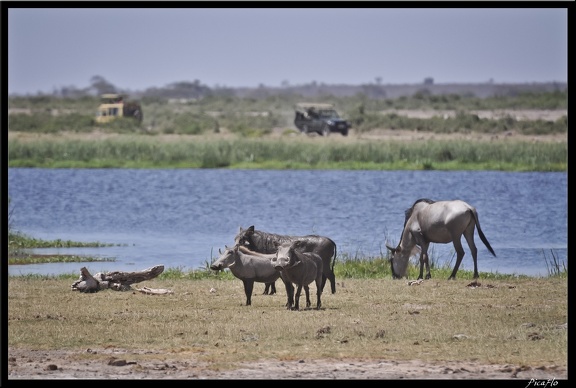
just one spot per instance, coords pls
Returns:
(254, 117)
(462, 122)
(130, 151)
(19, 245)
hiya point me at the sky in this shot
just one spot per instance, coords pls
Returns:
(140, 48)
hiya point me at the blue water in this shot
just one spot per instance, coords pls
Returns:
(180, 218)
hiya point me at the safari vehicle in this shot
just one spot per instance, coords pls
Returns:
(319, 118)
(115, 105)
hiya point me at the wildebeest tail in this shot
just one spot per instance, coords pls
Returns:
(481, 234)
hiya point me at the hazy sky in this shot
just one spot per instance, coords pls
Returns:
(138, 48)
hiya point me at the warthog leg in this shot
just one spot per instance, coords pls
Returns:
(270, 289)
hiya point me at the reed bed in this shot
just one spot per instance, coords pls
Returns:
(287, 152)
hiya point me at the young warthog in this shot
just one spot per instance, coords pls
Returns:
(249, 268)
(300, 268)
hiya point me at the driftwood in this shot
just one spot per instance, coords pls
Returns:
(117, 280)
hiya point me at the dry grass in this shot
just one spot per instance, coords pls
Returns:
(522, 322)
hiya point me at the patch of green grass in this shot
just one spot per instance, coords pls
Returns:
(19, 245)
(131, 151)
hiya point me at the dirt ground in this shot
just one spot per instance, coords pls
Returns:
(122, 364)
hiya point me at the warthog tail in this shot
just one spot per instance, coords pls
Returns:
(334, 257)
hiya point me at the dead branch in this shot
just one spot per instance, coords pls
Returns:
(116, 280)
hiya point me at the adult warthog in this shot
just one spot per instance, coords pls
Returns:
(300, 268)
(250, 268)
(259, 241)
(442, 222)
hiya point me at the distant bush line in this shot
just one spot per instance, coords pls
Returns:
(254, 117)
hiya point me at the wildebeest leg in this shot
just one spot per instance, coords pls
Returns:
(469, 235)
(297, 298)
(424, 261)
(248, 287)
(459, 256)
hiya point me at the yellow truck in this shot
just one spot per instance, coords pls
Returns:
(116, 105)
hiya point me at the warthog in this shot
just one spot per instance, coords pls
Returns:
(249, 268)
(442, 222)
(269, 288)
(259, 241)
(300, 268)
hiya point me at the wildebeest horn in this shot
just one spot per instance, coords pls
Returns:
(389, 247)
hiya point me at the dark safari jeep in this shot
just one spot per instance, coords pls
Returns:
(320, 118)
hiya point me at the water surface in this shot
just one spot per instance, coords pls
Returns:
(181, 217)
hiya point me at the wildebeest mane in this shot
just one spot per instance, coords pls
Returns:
(409, 211)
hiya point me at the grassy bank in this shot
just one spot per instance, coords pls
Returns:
(286, 152)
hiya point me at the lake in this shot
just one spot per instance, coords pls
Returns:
(181, 217)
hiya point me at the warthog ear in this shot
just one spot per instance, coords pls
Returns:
(219, 251)
(250, 230)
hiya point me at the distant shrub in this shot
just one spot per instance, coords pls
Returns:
(194, 124)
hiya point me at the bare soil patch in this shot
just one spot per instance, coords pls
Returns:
(122, 364)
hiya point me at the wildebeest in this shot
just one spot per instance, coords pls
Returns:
(442, 222)
(259, 241)
(300, 268)
(249, 268)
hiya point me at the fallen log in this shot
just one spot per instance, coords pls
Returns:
(116, 280)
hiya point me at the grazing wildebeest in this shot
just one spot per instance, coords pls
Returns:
(442, 222)
(249, 268)
(300, 268)
(259, 241)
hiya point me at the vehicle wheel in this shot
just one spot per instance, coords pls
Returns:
(345, 132)
(305, 129)
(325, 130)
